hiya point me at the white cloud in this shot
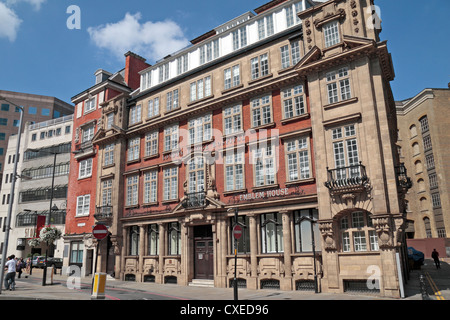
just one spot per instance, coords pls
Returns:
(36, 3)
(153, 40)
(9, 23)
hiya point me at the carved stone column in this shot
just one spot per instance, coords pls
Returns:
(162, 251)
(286, 218)
(124, 251)
(141, 249)
(253, 284)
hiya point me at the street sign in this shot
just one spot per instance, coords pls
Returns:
(100, 231)
(237, 232)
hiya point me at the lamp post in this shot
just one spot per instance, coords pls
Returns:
(235, 285)
(44, 274)
(13, 184)
(312, 221)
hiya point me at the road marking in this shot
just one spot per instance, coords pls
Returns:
(437, 292)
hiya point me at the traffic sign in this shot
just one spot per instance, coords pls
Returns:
(100, 231)
(237, 232)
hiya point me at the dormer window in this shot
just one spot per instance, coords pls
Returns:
(331, 33)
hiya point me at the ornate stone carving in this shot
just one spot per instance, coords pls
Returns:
(389, 230)
(327, 232)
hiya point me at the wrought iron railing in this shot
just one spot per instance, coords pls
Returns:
(403, 180)
(194, 200)
(347, 177)
(104, 212)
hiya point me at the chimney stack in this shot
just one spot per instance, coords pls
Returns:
(133, 64)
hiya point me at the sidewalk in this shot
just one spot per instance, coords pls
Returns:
(30, 288)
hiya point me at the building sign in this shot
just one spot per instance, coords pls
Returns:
(264, 194)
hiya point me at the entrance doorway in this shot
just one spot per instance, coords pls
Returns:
(203, 253)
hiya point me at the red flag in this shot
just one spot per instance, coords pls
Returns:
(39, 225)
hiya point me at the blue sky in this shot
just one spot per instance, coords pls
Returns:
(40, 55)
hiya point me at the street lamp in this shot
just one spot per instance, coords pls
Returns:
(312, 221)
(235, 285)
(13, 184)
(44, 274)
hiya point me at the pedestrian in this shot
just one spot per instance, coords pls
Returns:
(10, 278)
(435, 256)
(19, 267)
(28, 266)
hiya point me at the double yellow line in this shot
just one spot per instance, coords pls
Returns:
(437, 292)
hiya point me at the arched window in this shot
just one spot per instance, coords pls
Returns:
(423, 204)
(412, 131)
(427, 224)
(357, 232)
(416, 149)
(421, 185)
(419, 167)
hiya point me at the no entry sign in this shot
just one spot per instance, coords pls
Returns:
(100, 231)
(237, 232)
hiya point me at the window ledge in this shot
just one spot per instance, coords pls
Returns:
(200, 100)
(152, 156)
(106, 166)
(133, 161)
(153, 117)
(270, 75)
(340, 103)
(133, 206)
(300, 117)
(269, 186)
(173, 110)
(232, 89)
(308, 180)
(265, 126)
(148, 204)
(134, 124)
(231, 192)
(170, 201)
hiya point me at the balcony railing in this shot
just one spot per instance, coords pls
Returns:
(347, 177)
(103, 213)
(194, 200)
(403, 180)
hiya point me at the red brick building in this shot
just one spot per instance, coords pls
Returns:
(81, 201)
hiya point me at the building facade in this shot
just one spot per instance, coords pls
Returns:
(37, 108)
(38, 170)
(422, 124)
(284, 115)
(80, 245)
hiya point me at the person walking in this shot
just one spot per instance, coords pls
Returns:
(10, 278)
(19, 267)
(435, 256)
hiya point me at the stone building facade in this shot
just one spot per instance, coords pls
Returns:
(422, 124)
(284, 115)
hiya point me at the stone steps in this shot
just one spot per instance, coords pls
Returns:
(202, 283)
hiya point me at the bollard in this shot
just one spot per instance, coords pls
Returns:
(98, 289)
(49, 278)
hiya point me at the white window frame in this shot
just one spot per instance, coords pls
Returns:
(345, 149)
(87, 132)
(151, 186)
(135, 114)
(90, 105)
(293, 102)
(171, 137)
(85, 169)
(261, 108)
(234, 170)
(132, 190)
(172, 100)
(83, 207)
(338, 85)
(266, 27)
(200, 129)
(298, 162)
(331, 33)
(109, 154)
(133, 152)
(107, 186)
(153, 107)
(170, 183)
(239, 38)
(151, 143)
(232, 77)
(264, 164)
(202, 88)
(259, 66)
(232, 119)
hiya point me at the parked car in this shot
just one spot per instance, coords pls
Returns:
(39, 262)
